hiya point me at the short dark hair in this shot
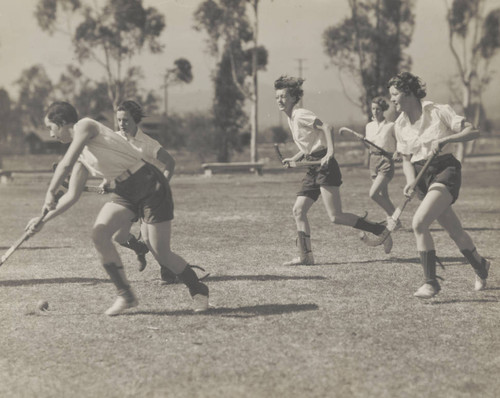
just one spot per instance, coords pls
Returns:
(292, 84)
(61, 113)
(380, 101)
(133, 108)
(408, 84)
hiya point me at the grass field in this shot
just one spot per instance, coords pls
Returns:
(348, 327)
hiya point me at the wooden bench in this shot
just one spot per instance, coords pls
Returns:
(211, 168)
(5, 176)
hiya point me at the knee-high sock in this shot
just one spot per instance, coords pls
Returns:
(304, 244)
(369, 226)
(479, 266)
(117, 275)
(136, 245)
(428, 261)
(190, 279)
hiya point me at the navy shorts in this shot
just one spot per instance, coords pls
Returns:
(318, 176)
(147, 194)
(380, 164)
(444, 169)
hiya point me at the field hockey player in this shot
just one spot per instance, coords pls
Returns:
(424, 129)
(381, 132)
(97, 150)
(315, 142)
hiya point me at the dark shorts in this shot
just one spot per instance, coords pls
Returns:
(318, 176)
(380, 164)
(446, 170)
(147, 194)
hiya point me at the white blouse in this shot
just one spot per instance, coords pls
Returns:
(308, 138)
(381, 134)
(437, 121)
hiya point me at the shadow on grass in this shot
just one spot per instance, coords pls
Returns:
(38, 247)
(28, 282)
(224, 278)
(447, 261)
(461, 301)
(239, 312)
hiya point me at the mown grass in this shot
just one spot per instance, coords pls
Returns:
(348, 327)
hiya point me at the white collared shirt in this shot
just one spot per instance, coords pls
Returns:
(437, 121)
(306, 136)
(381, 134)
(144, 144)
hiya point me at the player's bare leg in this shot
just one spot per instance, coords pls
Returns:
(158, 236)
(379, 193)
(451, 223)
(437, 200)
(333, 205)
(126, 239)
(300, 208)
(110, 219)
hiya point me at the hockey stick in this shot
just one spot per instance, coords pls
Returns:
(303, 163)
(26, 235)
(362, 138)
(89, 188)
(392, 222)
(86, 188)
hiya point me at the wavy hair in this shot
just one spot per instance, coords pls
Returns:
(292, 84)
(408, 83)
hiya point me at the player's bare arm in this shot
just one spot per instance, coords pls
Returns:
(169, 162)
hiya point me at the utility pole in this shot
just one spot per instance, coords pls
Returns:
(301, 68)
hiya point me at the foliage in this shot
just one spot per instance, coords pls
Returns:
(229, 117)
(107, 34)
(231, 34)
(10, 137)
(368, 48)
(474, 40)
(35, 94)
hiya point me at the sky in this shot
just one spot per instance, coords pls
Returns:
(291, 30)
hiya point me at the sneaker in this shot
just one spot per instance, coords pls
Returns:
(388, 244)
(481, 283)
(308, 260)
(427, 291)
(121, 304)
(167, 276)
(200, 299)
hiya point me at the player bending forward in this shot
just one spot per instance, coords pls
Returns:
(315, 142)
(143, 189)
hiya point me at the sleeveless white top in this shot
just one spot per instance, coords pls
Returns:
(107, 155)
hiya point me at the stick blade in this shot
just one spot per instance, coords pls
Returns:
(377, 240)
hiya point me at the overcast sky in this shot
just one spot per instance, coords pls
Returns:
(289, 29)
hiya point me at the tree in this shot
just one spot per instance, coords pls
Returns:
(474, 40)
(109, 33)
(368, 48)
(229, 118)
(35, 94)
(180, 73)
(228, 26)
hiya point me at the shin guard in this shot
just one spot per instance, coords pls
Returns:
(428, 261)
(304, 244)
(369, 226)
(190, 279)
(479, 266)
(117, 275)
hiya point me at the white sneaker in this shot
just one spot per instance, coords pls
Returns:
(481, 283)
(200, 303)
(308, 260)
(426, 291)
(121, 304)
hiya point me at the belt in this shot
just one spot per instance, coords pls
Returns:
(127, 173)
